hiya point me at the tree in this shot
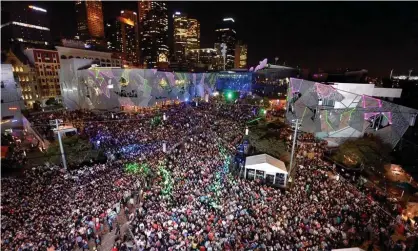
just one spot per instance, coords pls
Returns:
(76, 149)
(266, 103)
(369, 150)
(37, 106)
(51, 102)
(265, 139)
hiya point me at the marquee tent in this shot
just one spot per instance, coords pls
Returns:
(266, 167)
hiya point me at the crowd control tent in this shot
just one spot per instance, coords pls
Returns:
(266, 167)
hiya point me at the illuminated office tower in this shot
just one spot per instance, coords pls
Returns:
(132, 17)
(90, 26)
(24, 23)
(193, 34)
(154, 35)
(225, 33)
(186, 35)
(143, 8)
(180, 25)
(241, 52)
(121, 37)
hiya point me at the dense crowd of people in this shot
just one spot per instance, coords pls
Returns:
(189, 200)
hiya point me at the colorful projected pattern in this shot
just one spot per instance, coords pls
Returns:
(234, 81)
(337, 115)
(103, 88)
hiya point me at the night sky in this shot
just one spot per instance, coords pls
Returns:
(377, 36)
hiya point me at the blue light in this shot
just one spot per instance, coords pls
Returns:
(187, 99)
(98, 142)
(15, 120)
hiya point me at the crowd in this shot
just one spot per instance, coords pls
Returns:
(14, 153)
(190, 201)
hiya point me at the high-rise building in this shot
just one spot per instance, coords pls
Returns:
(186, 35)
(225, 33)
(113, 34)
(193, 34)
(180, 36)
(133, 16)
(241, 51)
(24, 23)
(90, 26)
(154, 35)
(143, 8)
(205, 58)
(121, 37)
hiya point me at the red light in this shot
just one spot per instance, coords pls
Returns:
(13, 108)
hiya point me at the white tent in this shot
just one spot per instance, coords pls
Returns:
(266, 167)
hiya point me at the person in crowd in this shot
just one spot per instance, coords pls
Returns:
(187, 199)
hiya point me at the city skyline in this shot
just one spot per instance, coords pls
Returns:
(364, 36)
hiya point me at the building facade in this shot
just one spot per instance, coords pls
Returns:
(121, 37)
(47, 66)
(241, 52)
(25, 76)
(205, 58)
(225, 33)
(84, 89)
(104, 59)
(342, 111)
(154, 35)
(24, 23)
(133, 17)
(90, 25)
(186, 35)
(11, 99)
(143, 8)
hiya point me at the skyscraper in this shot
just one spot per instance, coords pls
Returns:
(240, 55)
(143, 8)
(154, 35)
(133, 16)
(186, 35)
(225, 33)
(180, 37)
(193, 34)
(24, 23)
(121, 37)
(90, 26)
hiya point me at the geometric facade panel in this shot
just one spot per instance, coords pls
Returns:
(337, 115)
(111, 88)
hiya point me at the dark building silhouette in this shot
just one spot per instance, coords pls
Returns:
(24, 23)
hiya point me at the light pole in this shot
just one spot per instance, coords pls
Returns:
(56, 123)
(293, 145)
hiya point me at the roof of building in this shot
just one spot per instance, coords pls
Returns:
(18, 52)
(265, 159)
